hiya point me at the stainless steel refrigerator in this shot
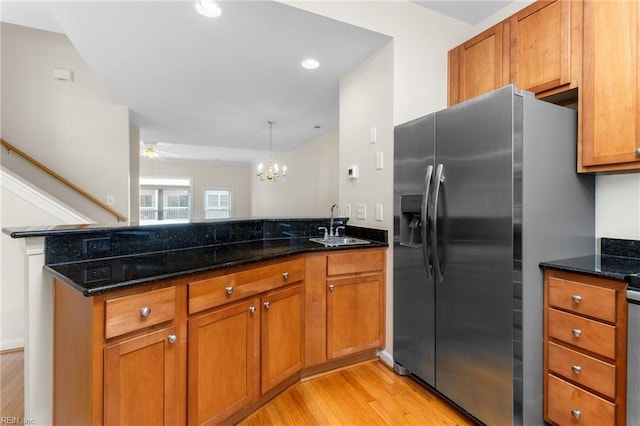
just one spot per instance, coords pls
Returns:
(484, 191)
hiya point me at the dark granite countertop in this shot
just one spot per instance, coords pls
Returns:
(619, 260)
(96, 259)
(102, 275)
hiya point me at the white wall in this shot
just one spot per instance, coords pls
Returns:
(71, 127)
(311, 186)
(203, 175)
(618, 206)
(15, 212)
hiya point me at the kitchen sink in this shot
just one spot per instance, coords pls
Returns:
(339, 241)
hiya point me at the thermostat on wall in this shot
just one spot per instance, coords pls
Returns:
(353, 172)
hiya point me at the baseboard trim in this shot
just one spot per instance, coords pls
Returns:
(11, 345)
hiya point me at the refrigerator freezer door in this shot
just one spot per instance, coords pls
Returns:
(474, 145)
(413, 343)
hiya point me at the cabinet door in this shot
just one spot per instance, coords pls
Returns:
(223, 362)
(355, 315)
(281, 336)
(610, 114)
(541, 46)
(482, 65)
(141, 378)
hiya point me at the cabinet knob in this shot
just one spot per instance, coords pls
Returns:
(229, 289)
(285, 275)
(576, 414)
(576, 332)
(331, 287)
(144, 312)
(252, 309)
(172, 338)
(267, 305)
(637, 151)
(576, 298)
(576, 369)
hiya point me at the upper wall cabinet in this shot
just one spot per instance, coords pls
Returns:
(480, 65)
(554, 47)
(545, 40)
(609, 92)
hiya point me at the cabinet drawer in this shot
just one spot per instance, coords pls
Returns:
(354, 262)
(585, 333)
(583, 369)
(584, 299)
(130, 313)
(216, 291)
(569, 405)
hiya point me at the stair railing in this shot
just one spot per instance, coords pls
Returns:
(10, 148)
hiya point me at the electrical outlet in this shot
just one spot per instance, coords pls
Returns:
(96, 245)
(361, 211)
(101, 273)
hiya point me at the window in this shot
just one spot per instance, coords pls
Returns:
(166, 200)
(217, 203)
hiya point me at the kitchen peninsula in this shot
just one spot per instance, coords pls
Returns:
(203, 322)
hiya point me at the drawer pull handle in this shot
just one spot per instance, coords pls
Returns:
(252, 309)
(285, 275)
(172, 338)
(229, 289)
(267, 305)
(576, 298)
(576, 369)
(576, 414)
(576, 332)
(331, 287)
(144, 312)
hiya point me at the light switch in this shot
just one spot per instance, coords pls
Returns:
(379, 212)
(379, 164)
(361, 211)
(347, 211)
(373, 135)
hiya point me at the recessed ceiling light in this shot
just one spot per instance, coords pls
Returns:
(208, 8)
(310, 64)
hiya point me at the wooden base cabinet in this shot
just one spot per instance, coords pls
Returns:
(117, 357)
(139, 376)
(224, 362)
(344, 305)
(585, 352)
(209, 348)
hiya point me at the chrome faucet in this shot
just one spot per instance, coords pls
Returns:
(331, 222)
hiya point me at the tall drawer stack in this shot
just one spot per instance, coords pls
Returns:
(585, 350)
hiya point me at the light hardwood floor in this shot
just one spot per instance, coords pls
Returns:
(365, 394)
(12, 384)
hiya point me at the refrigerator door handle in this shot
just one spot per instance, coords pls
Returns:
(424, 218)
(434, 223)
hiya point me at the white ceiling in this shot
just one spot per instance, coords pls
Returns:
(205, 87)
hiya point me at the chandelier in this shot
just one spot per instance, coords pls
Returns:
(272, 174)
(149, 151)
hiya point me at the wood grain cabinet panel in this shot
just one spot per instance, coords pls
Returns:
(583, 299)
(571, 405)
(282, 329)
(224, 362)
(129, 313)
(354, 309)
(545, 46)
(480, 65)
(610, 90)
(141, 375)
